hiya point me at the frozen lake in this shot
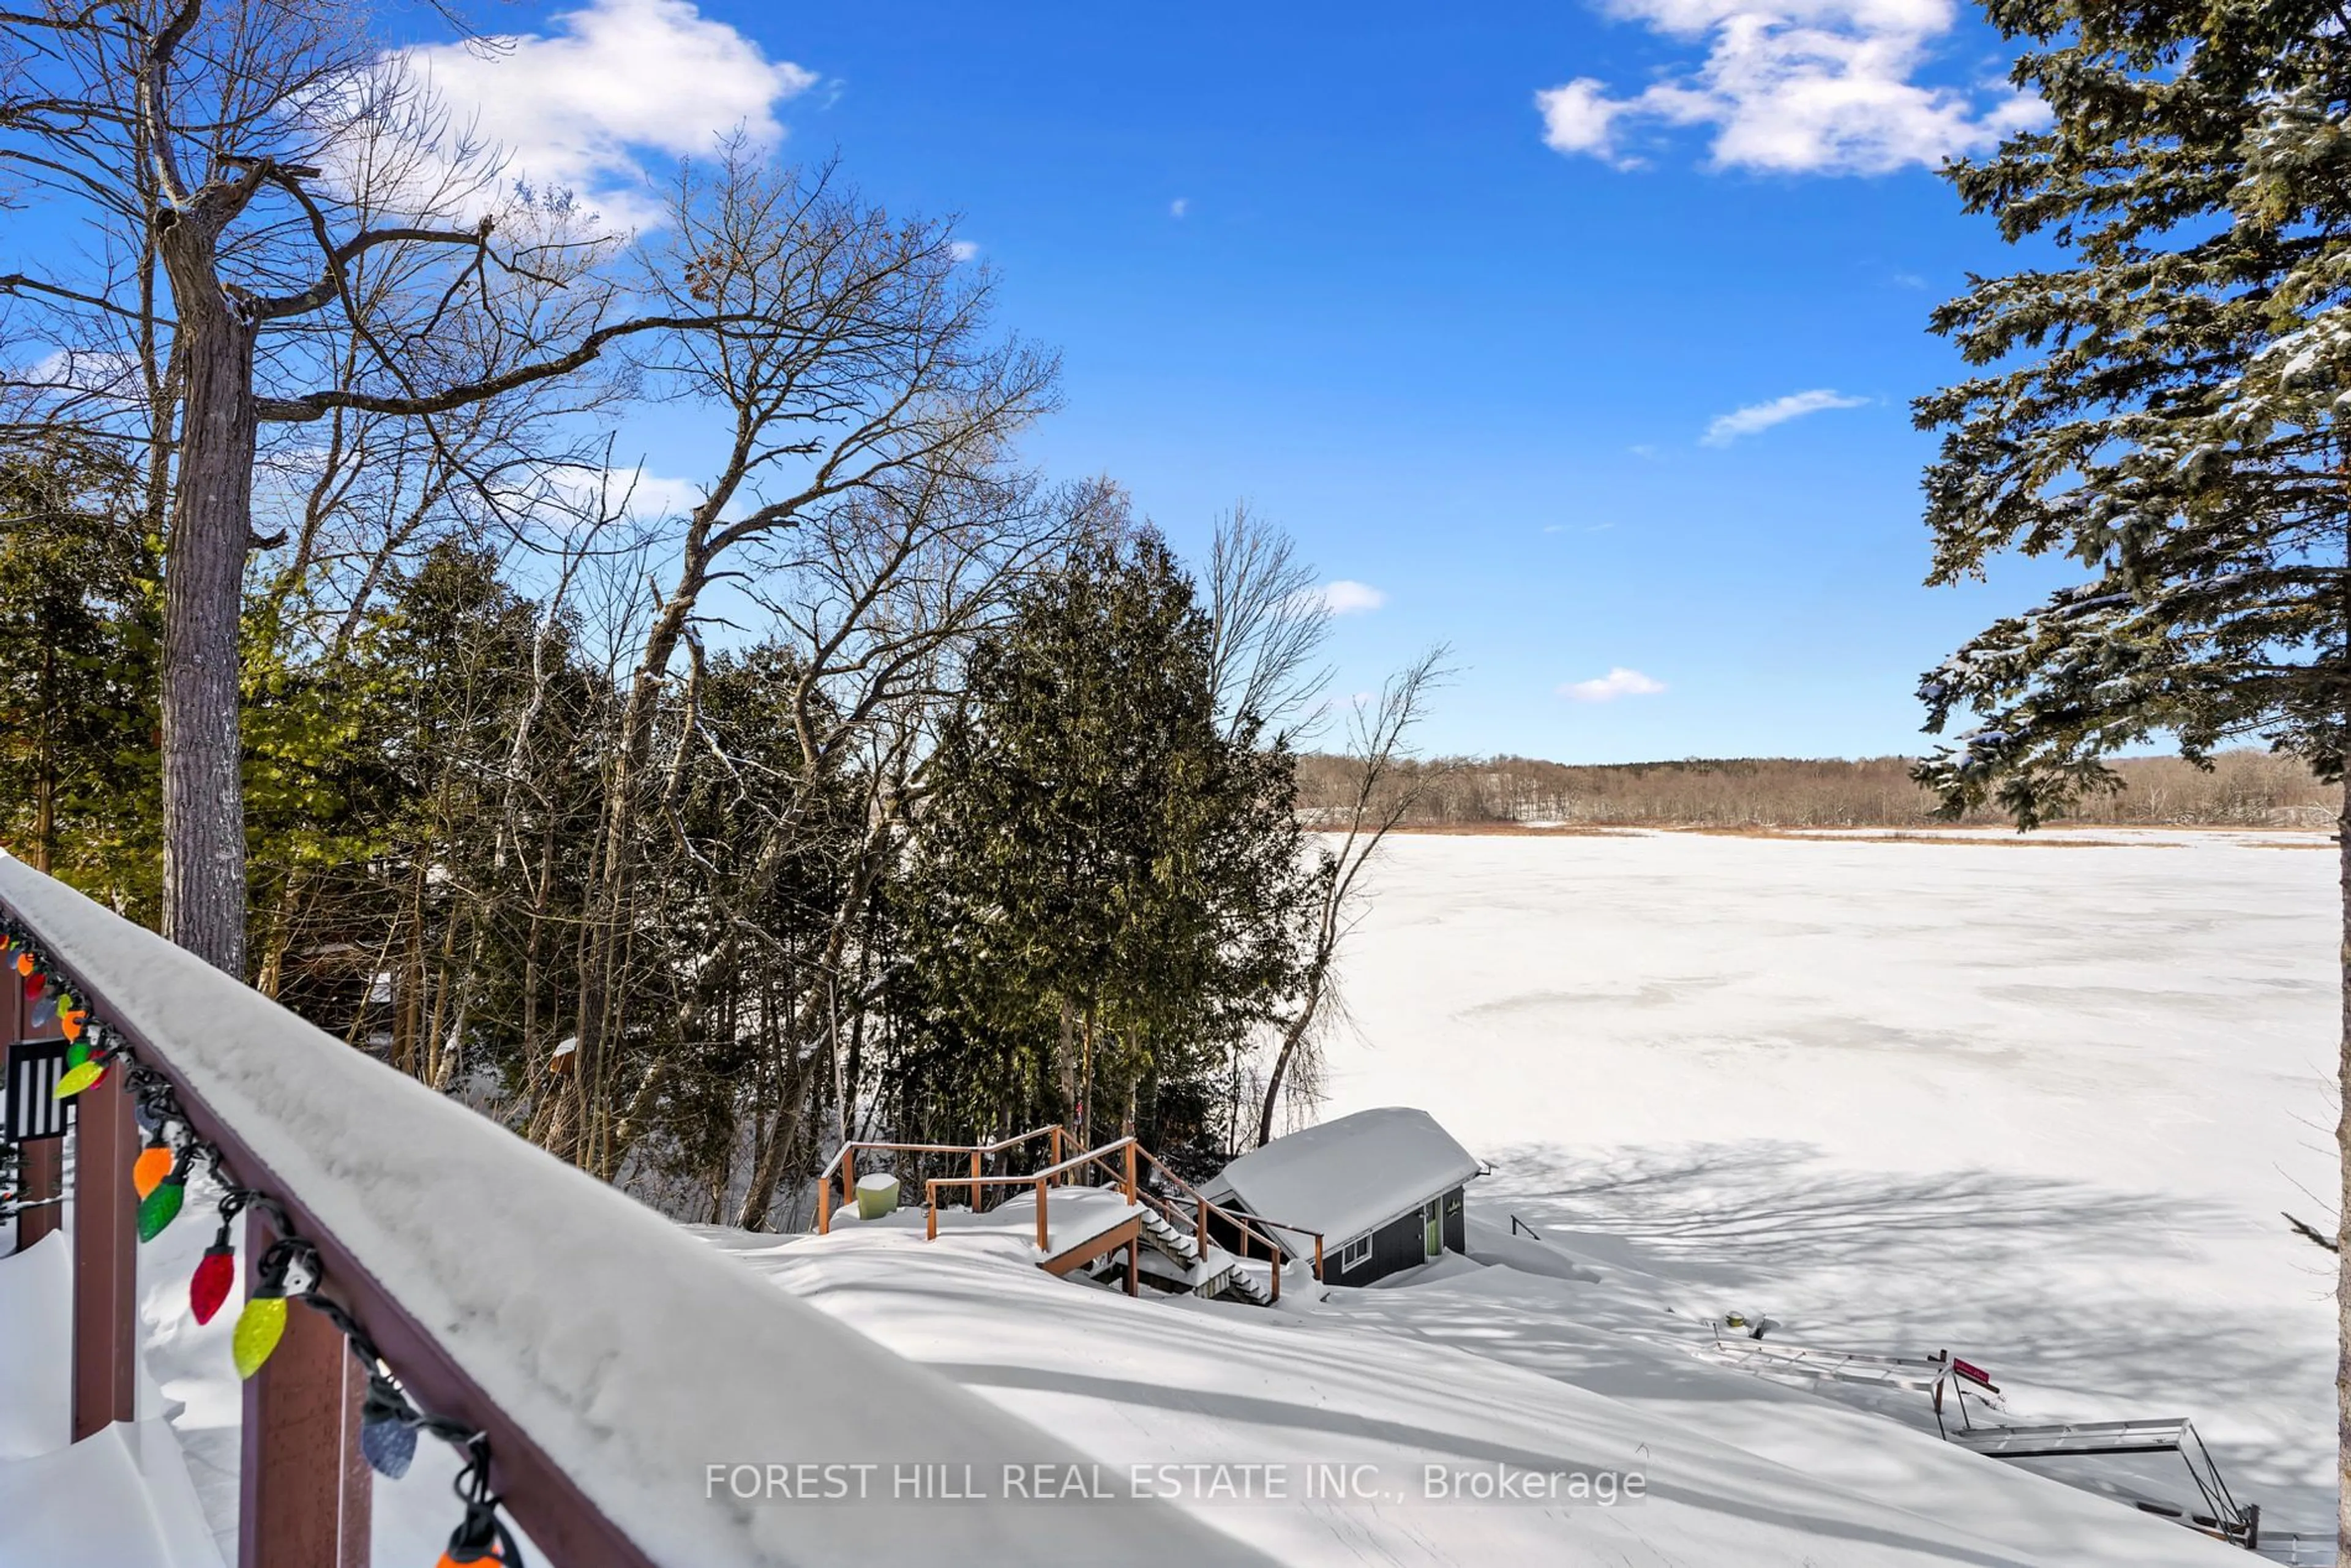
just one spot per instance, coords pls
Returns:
(2039, 1103)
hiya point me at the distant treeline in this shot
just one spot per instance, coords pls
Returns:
(2243, 789)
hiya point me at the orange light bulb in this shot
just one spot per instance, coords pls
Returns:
(148, 1171)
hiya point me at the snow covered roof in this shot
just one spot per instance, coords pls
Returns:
(1346, 1176)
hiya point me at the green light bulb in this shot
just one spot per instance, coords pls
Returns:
(159, 1208)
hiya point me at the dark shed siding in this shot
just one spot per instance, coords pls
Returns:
(1401, 1243)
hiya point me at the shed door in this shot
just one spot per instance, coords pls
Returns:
(1433, 1219)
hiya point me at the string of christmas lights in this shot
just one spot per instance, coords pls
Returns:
(289, 1267)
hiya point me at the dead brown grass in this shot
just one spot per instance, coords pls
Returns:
(2008, 840)
(2241, 790)
(1516, 829)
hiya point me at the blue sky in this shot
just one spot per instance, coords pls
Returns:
(1458, 299)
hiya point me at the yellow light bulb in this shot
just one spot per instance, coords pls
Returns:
(258, 1329)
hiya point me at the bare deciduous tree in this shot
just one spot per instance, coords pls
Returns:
(1270, 626)
(1378, 737)
(284, 231)
(862, 501)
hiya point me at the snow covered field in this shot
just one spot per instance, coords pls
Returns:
(2038, 1101)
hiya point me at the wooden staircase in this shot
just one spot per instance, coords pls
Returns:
(1121, 1208)
(1175, 1262)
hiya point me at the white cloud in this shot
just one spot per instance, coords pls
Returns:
(1347, 597)
(1618, 682)
(1796, 85)
(963, 250)
(1579, 117)
(655, 496)
(607, 494)
(1727, 428)
(1179, 207)
(578, 109)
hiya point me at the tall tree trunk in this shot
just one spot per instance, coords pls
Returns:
(45, 774)
(1065, 1059)
(1293, 1035)
(1086, 1084)
(603, 1003)
(2343, 1207)
(203, 578)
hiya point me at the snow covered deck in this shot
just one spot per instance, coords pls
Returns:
(1078, 1219)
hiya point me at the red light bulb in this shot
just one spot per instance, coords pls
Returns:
(209, 1286)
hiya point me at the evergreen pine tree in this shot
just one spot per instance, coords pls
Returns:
(1106, 889)
(2162, 402)
(79, 623)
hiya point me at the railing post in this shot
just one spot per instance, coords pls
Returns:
(302, 1482)
(40, 1170)
(1200, 1230)
(1318, 1258)
(1130, 1170)
(1044, 1242)
(824, 1206)
(974, 1181)
(931, 1207)
(1057, 1145)
(40, 1167)
(106, 1258)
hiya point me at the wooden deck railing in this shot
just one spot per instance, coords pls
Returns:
(1042, 1180)
(611, 1363)
(843, 1167)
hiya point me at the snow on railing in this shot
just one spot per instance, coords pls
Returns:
(615, 1364)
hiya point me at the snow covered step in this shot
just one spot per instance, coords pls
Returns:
(1241, 1284)
(1177, 1244)
(1206, 1278)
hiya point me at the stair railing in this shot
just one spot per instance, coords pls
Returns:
(1042, 1181)
(1188, 1207)
(844, 1164)
(1246, 1227)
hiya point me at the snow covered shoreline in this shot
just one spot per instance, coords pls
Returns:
(2044, 1108)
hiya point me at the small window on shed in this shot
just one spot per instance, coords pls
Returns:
(1354, 1252)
